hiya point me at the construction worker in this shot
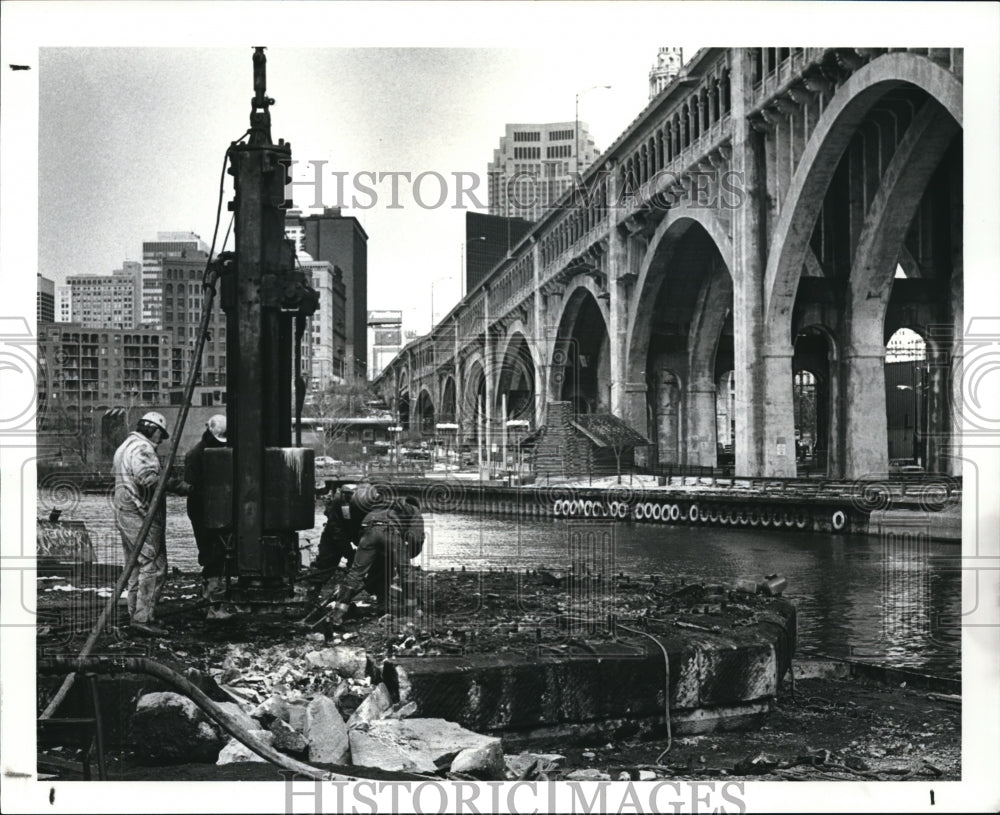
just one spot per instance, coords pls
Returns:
(137, 470)
(391, 537)
(345, 511)
(211, 552)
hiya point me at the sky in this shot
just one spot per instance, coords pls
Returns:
(131, 142)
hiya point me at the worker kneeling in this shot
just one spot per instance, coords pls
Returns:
(390, 539)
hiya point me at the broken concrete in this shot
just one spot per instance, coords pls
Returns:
(326, 733)
(374, 707)
(287, 739)
(414, 745)
(171, 729)
(346, 660)
(484, 762)
(236, 751)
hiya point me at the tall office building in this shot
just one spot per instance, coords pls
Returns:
(326, 329)
(107, 301)
(45, 300)
(182, 304)
(341, 241)
(64, 303)
(535, 164)
(488, 239)
(171, 245)
(668, 65)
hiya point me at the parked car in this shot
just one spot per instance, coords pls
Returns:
(327, 461)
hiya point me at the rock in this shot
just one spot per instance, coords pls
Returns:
(519, 764)
(404, 712)
(589, 774)
(414, 745)
(326, 733)
(240, 715)
(171, 729)
(236, 751)
(287, 739)
(296, 714)
(346, 660)
(647, 775)
(270, 709)
(377, 705)
(485, 762)
(756, 765)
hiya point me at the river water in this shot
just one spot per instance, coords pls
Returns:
(857, 597)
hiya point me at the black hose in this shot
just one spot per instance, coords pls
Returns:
(196, 695)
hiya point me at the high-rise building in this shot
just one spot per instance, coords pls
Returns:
(107, 301)
(83, 368)
(327, 340)
(182, 304)
(341, 241)
(668, 65)
(535, 164)
(488, 239)
(45, 300)
(167, 245)
(64, 303)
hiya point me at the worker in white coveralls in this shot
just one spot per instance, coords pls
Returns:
(137, 470)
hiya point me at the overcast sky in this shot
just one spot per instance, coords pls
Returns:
(131, 142)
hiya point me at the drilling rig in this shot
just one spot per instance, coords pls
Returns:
(260, 489)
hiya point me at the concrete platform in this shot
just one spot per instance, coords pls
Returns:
(722, 679)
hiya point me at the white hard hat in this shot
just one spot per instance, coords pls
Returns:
(217, 427)
(155, 420)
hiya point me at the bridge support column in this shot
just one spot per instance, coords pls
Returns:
(618, 269)
(866, 438)
(634, 412)
(748, 275)
(779, 413)
(700, 442)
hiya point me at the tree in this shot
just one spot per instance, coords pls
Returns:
(338, 402)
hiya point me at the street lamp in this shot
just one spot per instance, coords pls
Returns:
(576, 123)
(437, 280)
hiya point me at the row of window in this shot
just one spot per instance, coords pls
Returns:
(527, 152)
(530, 135)
(559, 151)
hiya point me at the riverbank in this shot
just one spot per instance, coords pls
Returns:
(830, 727)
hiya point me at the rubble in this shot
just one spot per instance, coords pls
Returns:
(484, 762)
(377, 705)
(415, 745)
(326, 733)
(287, 739)
(235, 751)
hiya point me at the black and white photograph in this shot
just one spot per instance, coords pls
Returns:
(494, 407)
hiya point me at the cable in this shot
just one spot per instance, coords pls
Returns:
(666, 689)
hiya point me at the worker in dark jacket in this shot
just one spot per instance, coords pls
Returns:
(211, 552)
(390, 538)
(345, 512)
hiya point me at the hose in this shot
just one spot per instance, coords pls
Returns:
(161, 486)
(196, 695)
(666, 687)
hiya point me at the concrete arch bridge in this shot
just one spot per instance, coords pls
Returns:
(729, 275)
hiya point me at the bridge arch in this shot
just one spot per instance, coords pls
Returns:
(448, 400)
(884, 202)
(516, 378)
(679, 344)
(424, 413)
(820, 157)
(580, 363)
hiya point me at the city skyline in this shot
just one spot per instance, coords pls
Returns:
(183, 134)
